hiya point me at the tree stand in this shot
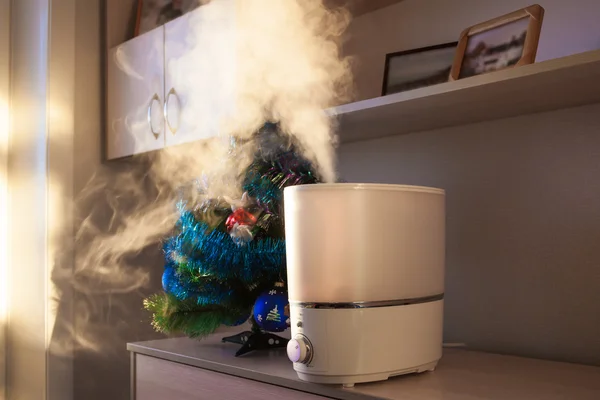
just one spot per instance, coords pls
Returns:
(256, 339)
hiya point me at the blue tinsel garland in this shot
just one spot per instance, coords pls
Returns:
(204, 251)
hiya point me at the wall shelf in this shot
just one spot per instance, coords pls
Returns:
(549, 85)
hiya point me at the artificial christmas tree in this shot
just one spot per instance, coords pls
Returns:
(221, 257)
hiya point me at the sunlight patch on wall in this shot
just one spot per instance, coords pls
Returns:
(3, 209)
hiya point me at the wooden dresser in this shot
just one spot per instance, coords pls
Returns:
(185, 369)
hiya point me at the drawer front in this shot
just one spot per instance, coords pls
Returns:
(157, 379)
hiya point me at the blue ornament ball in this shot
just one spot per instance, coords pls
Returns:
(271, 311)
(171, 284)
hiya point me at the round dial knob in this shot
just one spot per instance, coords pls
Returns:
(299, 350)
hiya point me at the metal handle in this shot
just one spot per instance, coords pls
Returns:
(166, 110)
(157, 99)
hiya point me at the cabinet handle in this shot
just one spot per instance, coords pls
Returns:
(166, 110)
(157, 99)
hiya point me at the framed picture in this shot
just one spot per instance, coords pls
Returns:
(503, 42)
(154, 13)
(412, 69)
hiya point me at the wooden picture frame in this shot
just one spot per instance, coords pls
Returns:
(415, 53)
(138, 18)
(529, 18)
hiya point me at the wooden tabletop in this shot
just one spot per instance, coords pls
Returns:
(461, 374)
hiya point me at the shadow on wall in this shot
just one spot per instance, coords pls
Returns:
(107, 290)
(105, 310)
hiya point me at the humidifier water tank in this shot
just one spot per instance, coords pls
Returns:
(365, 267)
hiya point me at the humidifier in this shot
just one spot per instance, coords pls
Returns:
(365, 268)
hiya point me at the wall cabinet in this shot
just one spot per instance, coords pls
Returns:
(200, 59)
(135, 96)
(174, 84)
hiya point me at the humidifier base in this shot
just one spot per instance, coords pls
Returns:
(349, 381)
(346, 346)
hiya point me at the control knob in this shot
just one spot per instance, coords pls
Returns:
(299, 350)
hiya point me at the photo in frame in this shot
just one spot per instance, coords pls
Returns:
(504, 42)
(417, 68)
(154, 13)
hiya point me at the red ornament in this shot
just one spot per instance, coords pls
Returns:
(240, 217)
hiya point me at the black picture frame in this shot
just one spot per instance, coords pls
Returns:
(390, 56)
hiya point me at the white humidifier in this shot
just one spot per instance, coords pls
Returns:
(365, 267)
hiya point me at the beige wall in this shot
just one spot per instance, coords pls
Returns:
(37, 144)
(523, 217)
(569, 27)
(4, 127)
(523, 223)
(27, 371)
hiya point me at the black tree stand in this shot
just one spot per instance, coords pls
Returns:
(255, 339)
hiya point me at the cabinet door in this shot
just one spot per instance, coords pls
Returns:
(156, 379)
(135, 96)
(200, 57)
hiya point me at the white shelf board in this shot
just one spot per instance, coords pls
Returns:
(549, 85)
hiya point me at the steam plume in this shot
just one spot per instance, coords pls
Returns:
(284, 57)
